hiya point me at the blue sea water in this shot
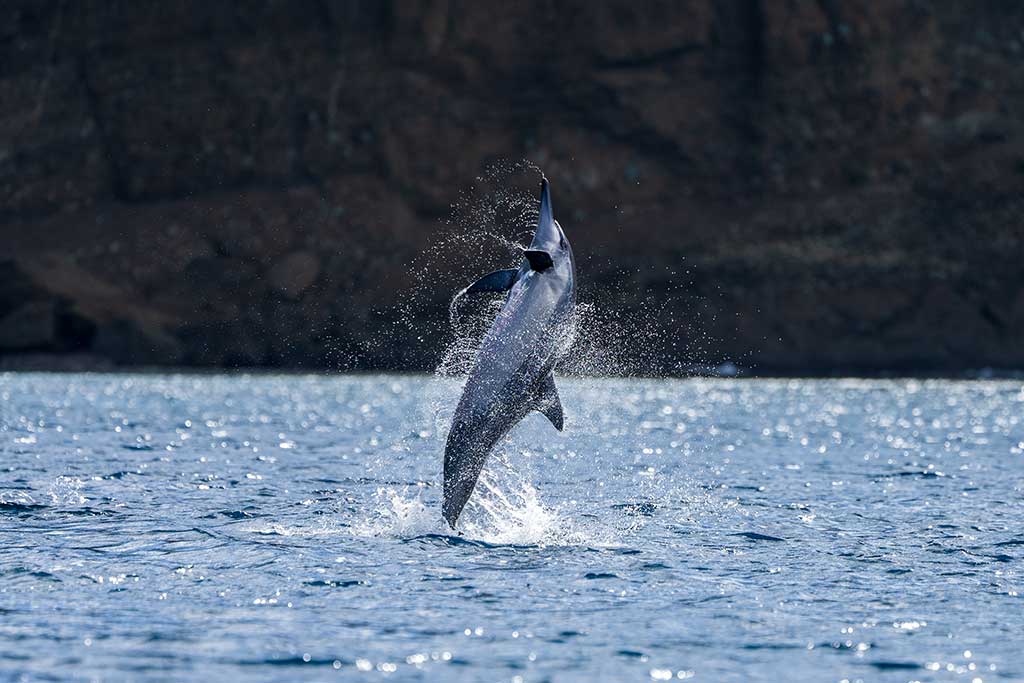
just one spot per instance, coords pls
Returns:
(281, 528)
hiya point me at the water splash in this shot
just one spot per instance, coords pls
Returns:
(66, 491)
(505, 507)
(505, 510)
(397, 514)
(17, 499)
(496, 215)
(487, 230)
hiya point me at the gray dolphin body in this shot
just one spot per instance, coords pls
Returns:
(513, 370)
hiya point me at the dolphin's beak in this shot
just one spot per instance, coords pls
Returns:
(547, 235)
(547, 216)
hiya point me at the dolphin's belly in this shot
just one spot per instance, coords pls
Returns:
(520, 345)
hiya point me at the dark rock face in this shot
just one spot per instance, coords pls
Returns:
(798, 187)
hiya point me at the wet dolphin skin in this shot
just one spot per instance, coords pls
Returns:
(512, 374)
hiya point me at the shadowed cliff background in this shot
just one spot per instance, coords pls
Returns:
(802, 187)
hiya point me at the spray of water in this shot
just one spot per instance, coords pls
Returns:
(66, 491)
(506, 509)
(487, 230)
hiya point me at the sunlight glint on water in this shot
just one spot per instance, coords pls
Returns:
(275, 528)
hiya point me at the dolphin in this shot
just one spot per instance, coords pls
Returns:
(512, 374)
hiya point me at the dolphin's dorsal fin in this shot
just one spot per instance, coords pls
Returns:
(548, 403)
(539, 260)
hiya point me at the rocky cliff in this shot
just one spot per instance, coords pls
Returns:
(795, 186)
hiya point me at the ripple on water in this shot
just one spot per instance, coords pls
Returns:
(288, 527)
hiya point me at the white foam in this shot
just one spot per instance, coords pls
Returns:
(505, 510)
(397, 514)
(511, 515)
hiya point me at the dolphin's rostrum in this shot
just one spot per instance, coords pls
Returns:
(513, 370)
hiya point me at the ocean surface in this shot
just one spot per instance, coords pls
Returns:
(282, 528)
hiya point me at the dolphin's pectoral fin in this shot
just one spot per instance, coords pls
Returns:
(548, 403)
(539, 260)
(498, 281)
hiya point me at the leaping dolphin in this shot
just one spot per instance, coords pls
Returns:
(512, 374)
